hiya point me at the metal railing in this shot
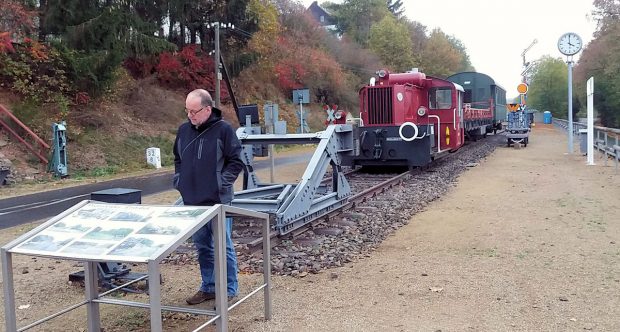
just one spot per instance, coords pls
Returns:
(606, 140)
(43, 148)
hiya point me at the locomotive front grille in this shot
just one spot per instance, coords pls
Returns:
(380, 105)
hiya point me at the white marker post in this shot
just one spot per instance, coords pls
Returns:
(153, 157)
(301, 114)
(590, 93)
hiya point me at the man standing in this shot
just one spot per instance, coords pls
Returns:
(206, 164)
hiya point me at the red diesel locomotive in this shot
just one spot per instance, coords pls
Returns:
(409, 119)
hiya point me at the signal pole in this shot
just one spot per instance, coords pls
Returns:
(526, 65)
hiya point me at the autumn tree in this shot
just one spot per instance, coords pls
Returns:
(607, 13)
(417, 34)
(297, 23)
(355, 17)
(458, 45)
(440, 58)
(265, 41)
(359, 62)
(390, 40)
(548, 88)
(600, 60)
(16, 20)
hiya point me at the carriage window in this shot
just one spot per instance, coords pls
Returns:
(467, 97)
(440, 98)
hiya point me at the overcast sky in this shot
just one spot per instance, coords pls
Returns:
(496, 32)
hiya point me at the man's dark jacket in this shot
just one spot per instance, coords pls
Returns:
(206, 161)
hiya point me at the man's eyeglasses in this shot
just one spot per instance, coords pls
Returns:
(192, 112)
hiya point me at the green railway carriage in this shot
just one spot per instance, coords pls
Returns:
(481, 91)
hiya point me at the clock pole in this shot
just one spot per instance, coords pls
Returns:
(570, 44)
(569, 61)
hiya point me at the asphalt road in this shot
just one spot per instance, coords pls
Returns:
(27, 208)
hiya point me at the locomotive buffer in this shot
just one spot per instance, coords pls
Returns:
(294, 205)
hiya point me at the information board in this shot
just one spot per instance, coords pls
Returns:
(113, 232)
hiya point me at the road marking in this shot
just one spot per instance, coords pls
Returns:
(30, 207)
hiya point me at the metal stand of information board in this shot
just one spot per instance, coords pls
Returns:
(93, 299)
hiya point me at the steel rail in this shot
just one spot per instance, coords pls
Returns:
(354, 201)
(276, 239)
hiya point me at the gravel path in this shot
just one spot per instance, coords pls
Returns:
(525, 241)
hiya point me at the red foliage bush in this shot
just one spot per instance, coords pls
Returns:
(302, 66)
(140, 67)
(290, 75)
(37, 50)
(188, 69)
(82, 98)
(6, 45)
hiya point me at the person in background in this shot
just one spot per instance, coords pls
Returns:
(206, 164)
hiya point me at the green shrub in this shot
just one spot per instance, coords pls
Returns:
(35, 71)
(92, 72)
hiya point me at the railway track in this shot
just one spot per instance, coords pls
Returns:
(364, 186)
(248, 233)
(381, 203)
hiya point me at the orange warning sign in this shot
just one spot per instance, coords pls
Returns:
(522, 88)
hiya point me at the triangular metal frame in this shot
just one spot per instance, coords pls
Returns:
(294, 205)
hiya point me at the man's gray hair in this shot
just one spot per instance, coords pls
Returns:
(204, 95)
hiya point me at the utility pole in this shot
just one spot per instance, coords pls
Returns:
(216, 61)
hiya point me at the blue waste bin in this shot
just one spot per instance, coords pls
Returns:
(547, 117)
(583, 141)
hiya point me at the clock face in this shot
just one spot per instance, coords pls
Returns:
(569, 43)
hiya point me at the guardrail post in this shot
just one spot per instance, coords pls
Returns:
(616, 154)
(605, 149)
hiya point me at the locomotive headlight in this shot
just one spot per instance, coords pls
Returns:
(381, 73)
(421, 111)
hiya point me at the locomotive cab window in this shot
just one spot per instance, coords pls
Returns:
(467, 98)
(440, 98)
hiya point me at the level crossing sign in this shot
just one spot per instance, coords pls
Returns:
(334, 115)
(330, 113)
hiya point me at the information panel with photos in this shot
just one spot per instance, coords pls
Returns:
(113, 232)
